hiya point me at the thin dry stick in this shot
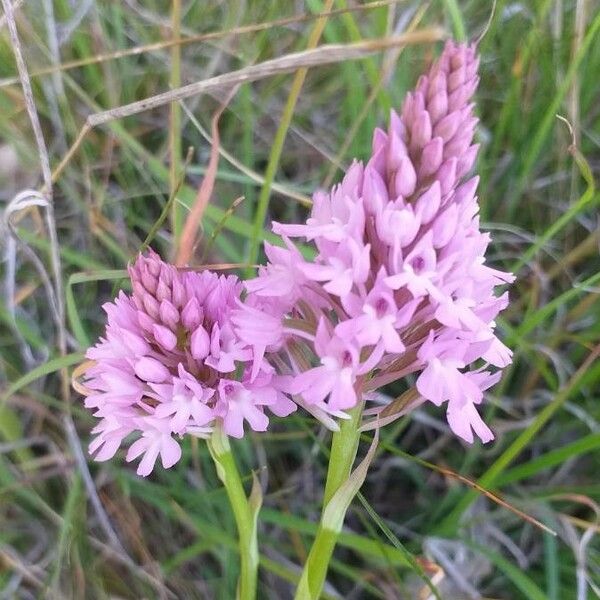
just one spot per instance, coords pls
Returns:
(15, 6)
(23, 201)
(31, 573)
(487, 25)
(27, 92)
(202, 37)
(103, 519)
(495, 498)
(136, 569)
(327, 54)
(188, 236)
(47, 175)
(219, 226)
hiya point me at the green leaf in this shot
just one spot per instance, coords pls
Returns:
(72, 312)
(335, 511)
(550, 459)
(585, 199)
(410, 559)
(332, 520)
(11, 431)
(47, 368)
(458, 25)
(359, 543)
(526, 585)
(531, 154)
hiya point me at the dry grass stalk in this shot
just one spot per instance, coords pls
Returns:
(192, 39)
(323, 55)
(47, 176)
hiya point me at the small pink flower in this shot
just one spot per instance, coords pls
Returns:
(335, 377)
(156, 440)
(281, 278)
(185, 401)
(238, 404)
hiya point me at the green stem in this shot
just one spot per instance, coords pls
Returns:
(177, 211)
(344, 446)
(277, 145)
(245, 515)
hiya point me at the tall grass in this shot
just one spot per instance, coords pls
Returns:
(74, 529)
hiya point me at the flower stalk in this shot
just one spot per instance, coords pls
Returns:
(344, 446)
(245, 510)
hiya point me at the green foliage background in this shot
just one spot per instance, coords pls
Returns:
(171, 535)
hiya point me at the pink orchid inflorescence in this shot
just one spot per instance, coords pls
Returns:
(399, 285)
(172, 364)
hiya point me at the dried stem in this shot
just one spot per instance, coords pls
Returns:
(47, 175)
(177, 213)
(323, 55)
(188, 236)
(192, 39)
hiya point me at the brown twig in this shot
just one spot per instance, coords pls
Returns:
(188, 236)
(219, 226)
(327, 54)
(494, 497)
(103, 520)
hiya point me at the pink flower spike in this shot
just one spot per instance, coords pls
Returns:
(398, 285)
(157, 371)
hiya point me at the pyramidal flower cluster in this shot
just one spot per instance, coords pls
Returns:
(399, 285)
(171, 364)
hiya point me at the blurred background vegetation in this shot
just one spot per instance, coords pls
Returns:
(73, 529)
